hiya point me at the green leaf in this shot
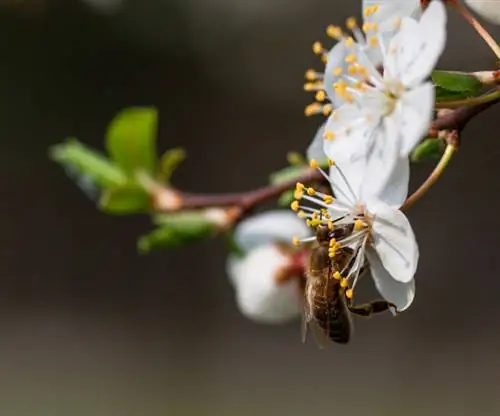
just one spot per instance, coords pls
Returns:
(428, 149)
(443, 95)
(126, 199)
(176, 230)
(286, 198)
(88, 162)
(170, 161)
(131, 139)
(287, 174)
(456, 81)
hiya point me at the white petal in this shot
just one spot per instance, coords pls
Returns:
(335, 59)
(416, 48)
(381, 160)
(398, 293)
(394, 241)
(390, 10)
(395, 190)
(270, 226)
(488, 9)
(315, 150)
(351, 132)
(258, 296)
(416, 108)
(347, 184)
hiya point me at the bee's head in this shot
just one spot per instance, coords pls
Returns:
(322, 233)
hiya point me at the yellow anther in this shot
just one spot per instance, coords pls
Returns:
(301, 214)
(344, 283)
(312, 109)
(299, 186)
(315, 223)
(332, 242)
(324, 58)
(359, 225)
(311, 191)
(295, 206)
(310, 86)
(317, 48)
(351, 58)
(314, 164)
(311, 75)
(331, 225)
(298, 195)
(349, 293)
(320, 96)
(328, 199)
(327, 109)
(296, 241)
(334, 32)
(331, 162)
(349, 42)
(337, 71)
(351, 23)
(373, 41)
(337, 276)
(329, 135)
(352, 69)
(369, 26)
(360, 86)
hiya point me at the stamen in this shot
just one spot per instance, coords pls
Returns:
(314, 164)
(334, 32)
(349, 293)
(337, 276)
(295, 206)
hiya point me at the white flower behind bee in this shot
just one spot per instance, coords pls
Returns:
(488, 9)
(262, 293)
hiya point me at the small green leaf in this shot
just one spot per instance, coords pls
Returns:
(88, 162)
(286, 198)
(287, 174)
(456, 81)
(170, 161)
(428, 149)
(176, 230)
(124, 200)
(443, 95)
(131, 139)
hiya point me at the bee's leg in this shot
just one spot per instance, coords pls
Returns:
(367, 309)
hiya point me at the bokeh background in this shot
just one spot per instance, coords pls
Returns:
(89, 327)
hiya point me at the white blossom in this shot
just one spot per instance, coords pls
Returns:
(382, 235)
(488, 9)
(267, 278)
(381, 19)
(387, 115)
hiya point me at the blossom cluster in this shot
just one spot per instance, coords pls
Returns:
(379, 104)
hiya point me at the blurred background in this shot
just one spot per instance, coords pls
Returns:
(89, 327)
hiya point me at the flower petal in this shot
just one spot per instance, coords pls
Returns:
(270, 226)
(381, 160)
(315, 150)
(395, 191)
(416, 48)
(388, 11)
(350, 133)
(488, 9)
(394, 241)
(398, 293)
(258, 295)
(335, 59)
(416, 108)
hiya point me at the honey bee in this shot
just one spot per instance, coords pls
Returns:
(327, 306)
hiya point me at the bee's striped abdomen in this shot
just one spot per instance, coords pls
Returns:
(331, 314)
